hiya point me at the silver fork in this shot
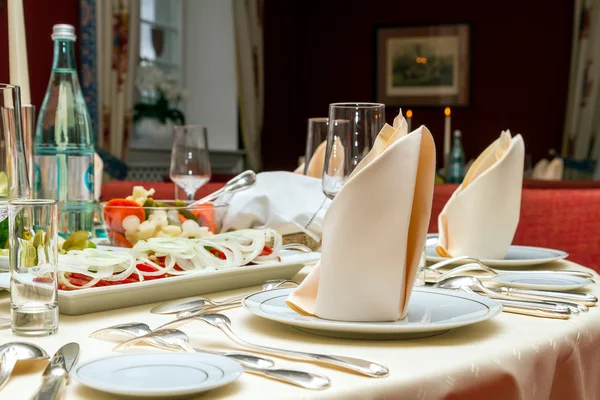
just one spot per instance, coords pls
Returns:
(173, 339)
(362, 366)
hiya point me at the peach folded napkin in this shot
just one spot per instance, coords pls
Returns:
(481, 217)
(374, 232)
(316, 163)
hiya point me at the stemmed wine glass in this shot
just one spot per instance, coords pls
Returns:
(190, 164)
(316, 133)
(14, 181)
(353, 128)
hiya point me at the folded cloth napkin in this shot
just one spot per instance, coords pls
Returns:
(374, 232)
(284, 201)
(481, 217)
(316, 162)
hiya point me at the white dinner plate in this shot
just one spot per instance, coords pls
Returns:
(431, 311)
(162, 375)
(85, 301)
(517, 256)
(542, 281)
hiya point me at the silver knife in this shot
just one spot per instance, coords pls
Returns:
(57, 372)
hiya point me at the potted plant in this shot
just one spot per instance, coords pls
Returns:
(156, 110)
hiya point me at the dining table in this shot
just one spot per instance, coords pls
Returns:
(511, 356)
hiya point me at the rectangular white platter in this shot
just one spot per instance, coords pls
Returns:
(85, 301)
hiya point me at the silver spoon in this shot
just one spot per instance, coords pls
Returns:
(240, 182)
(16, 351)
(531, 308)
(472, 282)
(176, 306)
(138, 330)
(365, 367)
(176, 338)
(476, 264)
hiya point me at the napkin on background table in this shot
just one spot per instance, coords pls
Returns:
(316, 163)
(374, 232)
(287, 202)
(481, 217)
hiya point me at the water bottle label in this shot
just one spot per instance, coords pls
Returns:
(89, 178)
(37, 177)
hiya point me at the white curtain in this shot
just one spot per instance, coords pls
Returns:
(582, 125)
(117, 47)
(248, 22)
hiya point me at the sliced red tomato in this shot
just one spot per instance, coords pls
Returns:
(116, 210)
(266, 251)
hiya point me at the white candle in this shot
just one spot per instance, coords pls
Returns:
(17, 49)
(409, 119)
(446, 139)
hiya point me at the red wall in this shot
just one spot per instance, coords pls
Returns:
(40, 16)
(318, 52)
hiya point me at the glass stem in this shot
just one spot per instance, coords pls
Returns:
(191, 195)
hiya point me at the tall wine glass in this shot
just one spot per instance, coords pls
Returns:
(14, 181)
(190, 164)
(353, 128)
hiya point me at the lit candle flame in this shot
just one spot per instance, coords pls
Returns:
(409, 114)
(447, 111)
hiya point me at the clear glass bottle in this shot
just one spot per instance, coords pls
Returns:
(64, 141)
(456, 165)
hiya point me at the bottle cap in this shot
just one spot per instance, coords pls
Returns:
(63, 31)
(457, 133)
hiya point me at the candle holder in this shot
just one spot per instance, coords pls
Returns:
(28, 122)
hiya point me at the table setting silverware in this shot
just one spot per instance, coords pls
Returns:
(579, 301)
(55, 377)
(222, 322)
(204, 303)
(12, 352)
(476, 264)
(173, 339)
(138, 329)
(525, 307)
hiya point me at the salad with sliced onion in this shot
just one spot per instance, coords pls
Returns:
(162, 257)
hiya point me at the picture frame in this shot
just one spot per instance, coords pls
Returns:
(423, 65)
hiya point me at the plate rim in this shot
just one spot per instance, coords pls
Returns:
(227, 379)
(583, 282)
(494, 308)
(561, 255)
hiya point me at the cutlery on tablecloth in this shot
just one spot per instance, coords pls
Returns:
(532, 308)
(12, 352)
(476, 264)
(56, 375)
(201, 303)
(138, 329)
(578, 301)
(170, 339)
(222, 322)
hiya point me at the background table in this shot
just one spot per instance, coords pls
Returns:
(509, 357)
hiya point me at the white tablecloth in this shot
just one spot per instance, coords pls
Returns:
(509, 357)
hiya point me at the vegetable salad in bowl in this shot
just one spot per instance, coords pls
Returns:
(141, 217)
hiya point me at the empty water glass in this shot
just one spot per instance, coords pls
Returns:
(33, 267)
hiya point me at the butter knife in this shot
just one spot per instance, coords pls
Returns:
(57, 372)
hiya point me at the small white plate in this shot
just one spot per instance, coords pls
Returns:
(161, 375)
(431, 311)
(517, 256)
(542, 281)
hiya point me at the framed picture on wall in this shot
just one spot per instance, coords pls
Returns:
(423, 65)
